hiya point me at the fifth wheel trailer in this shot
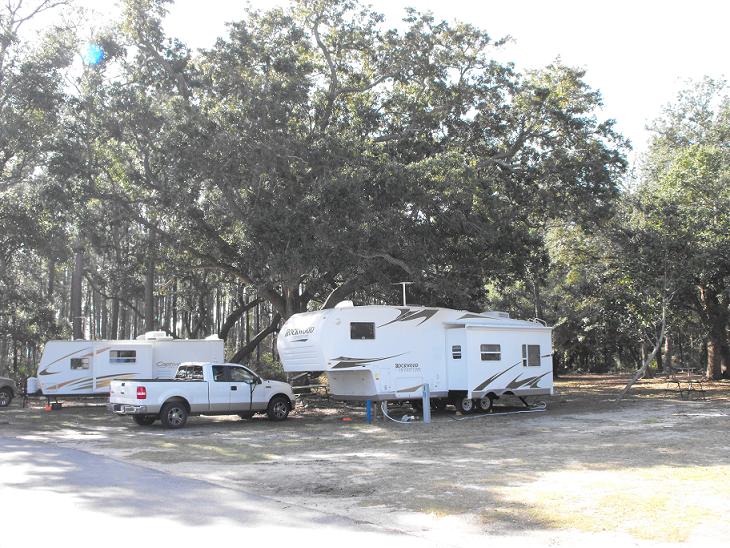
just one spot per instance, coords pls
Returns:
(390, 352)
(86, 368)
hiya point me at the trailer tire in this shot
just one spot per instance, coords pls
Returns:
(464, 405)
(6, 396)
(278, 408)
(484, 404)
(144, 420)
(174, 414)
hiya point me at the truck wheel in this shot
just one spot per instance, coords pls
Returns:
(278, 408)
(174, 414)
(485, 404)
(465, 405)
(144, 420)
(6, 396)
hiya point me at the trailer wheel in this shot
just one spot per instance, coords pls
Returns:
(485, 404)
(465, 405)
(6, 396)
(278, 408)
(144, 420)
(174, 414)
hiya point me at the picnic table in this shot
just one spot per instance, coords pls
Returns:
(687, 383)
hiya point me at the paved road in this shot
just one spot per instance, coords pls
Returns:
(64, 497)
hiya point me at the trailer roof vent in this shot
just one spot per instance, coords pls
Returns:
(345, 304)
(496, 314)
(154, 336)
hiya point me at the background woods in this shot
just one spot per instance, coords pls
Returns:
(317, 153)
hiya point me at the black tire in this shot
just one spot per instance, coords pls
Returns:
(484, 404)
(174, 414)
(6, 396)
(144, 420)
(464, 405)
(278, 408)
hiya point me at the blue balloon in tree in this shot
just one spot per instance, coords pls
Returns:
(94, 54)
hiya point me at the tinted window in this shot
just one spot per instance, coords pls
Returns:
(362, 330)
(490, 352)
(122, 356)
(79, 363)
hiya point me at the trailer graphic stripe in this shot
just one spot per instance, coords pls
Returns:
(406, 315)
(494, 377)
(531, 381)
(344, 361)
(44, 372)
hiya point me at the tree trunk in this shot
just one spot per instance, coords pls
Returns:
(642, 370)
(668, 355)
(76, 319)
(115, 320)
(718, 349)
(234, 316)
(246, 351)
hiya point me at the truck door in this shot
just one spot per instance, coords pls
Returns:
(456, 359)
(247, 392)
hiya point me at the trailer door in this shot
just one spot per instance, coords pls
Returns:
(456, 358)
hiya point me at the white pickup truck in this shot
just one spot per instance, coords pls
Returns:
(201, 389)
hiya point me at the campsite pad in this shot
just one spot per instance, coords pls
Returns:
(651, 468)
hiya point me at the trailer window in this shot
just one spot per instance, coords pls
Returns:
(531, 355)
(79, 363)
(491, 352)
(456, 351)
(122, 356)
(362, 330)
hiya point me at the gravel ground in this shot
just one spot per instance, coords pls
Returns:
(650, 470)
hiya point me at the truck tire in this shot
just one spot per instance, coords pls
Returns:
(6, 396)
(278, 408)
(174, 414)
(144, 420)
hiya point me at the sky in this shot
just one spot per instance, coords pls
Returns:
(638, 53)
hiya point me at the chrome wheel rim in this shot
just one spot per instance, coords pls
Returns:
(4, 399)
(175, 416)
(280, 409)
(467, 404)
(485, 404)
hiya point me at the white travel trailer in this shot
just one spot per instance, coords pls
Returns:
(85, 368)
(389, 352)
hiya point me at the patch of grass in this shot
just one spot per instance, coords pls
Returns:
(661, 503)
